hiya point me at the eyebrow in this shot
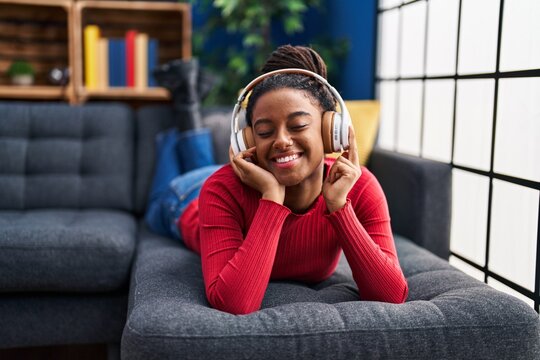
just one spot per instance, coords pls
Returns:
(289, 117)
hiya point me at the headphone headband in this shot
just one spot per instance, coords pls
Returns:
(238, 106)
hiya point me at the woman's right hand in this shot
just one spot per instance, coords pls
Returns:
(256, 177)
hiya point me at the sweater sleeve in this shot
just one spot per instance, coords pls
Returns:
(366, 238)
(237, 270)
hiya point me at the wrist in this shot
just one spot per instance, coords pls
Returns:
(276, 196)
(335, 205)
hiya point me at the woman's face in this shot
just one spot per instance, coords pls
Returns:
(287, 129)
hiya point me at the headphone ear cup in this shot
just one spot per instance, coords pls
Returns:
(242, 140)
(327, 129)
(249, 140)
(346, 120)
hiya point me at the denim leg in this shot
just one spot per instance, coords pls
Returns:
(181, 192)
(195, 149)
(157, 214)
(188, 186)
(167, 163)
(166, 169)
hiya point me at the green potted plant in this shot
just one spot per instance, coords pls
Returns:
(21, 72)
(251, 20)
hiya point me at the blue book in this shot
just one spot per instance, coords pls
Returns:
(117, 62)
(153, 45)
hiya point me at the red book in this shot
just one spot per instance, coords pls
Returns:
(130, 57)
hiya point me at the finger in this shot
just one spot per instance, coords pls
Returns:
(353, 149)
(332, 174)
(236, 169)
(238, 161)
(247, 154)
(336, 172)
(242, 161)
(344, 158)
(233, 157)
(348, 170)
(231, 154)
(233, 162)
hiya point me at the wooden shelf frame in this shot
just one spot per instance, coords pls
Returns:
(75, 91)
(66, 92)
(184, 11)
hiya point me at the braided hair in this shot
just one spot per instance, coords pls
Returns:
(300, 57)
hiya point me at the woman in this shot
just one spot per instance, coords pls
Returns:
(281, 210)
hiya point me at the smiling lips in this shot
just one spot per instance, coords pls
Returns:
(286, 161)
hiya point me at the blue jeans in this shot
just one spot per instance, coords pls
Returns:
(183, 162)
(163, 211)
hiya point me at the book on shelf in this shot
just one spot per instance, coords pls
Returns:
(103, 63)
(91, 36)
(141, 61)
(130, 57)
(153, 61)
(119, 62)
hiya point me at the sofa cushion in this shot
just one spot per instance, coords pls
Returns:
(30, 320)
(448, 315)
(65, 250)
(53, 155)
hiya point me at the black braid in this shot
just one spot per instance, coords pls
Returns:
(299, 57)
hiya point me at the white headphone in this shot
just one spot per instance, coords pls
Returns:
(335, 126)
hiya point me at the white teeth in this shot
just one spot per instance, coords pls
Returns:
(286, 158)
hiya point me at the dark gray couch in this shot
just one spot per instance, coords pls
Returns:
(73, 184)
(67, 231)
(448, 315)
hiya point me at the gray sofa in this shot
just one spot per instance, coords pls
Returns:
(78, 265)
(67, 231)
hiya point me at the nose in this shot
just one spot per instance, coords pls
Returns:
(283, 140)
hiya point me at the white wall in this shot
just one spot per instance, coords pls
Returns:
(459, 82)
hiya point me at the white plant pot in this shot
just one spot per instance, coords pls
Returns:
(23, 80)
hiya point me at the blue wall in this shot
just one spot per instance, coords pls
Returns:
(351, 19)
(356, 20)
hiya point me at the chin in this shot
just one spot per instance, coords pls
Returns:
(288, 180)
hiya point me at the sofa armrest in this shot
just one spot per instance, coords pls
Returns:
(419, 195)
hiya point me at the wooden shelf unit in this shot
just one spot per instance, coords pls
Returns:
(170, 23)
(49, 33)
(40, 33)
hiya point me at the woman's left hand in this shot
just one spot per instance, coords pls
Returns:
(342, 177)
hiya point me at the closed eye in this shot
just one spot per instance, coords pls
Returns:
(264, 134)
(299, 127)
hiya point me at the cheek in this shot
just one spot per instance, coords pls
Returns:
(262, 148)
(314, 141)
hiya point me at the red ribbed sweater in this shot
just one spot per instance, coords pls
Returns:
(245, 241)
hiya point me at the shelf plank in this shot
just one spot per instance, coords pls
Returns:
(157, 93)
(134, 5)
(62, 3)
(22, 50)
(25, 32)
(32, 92)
